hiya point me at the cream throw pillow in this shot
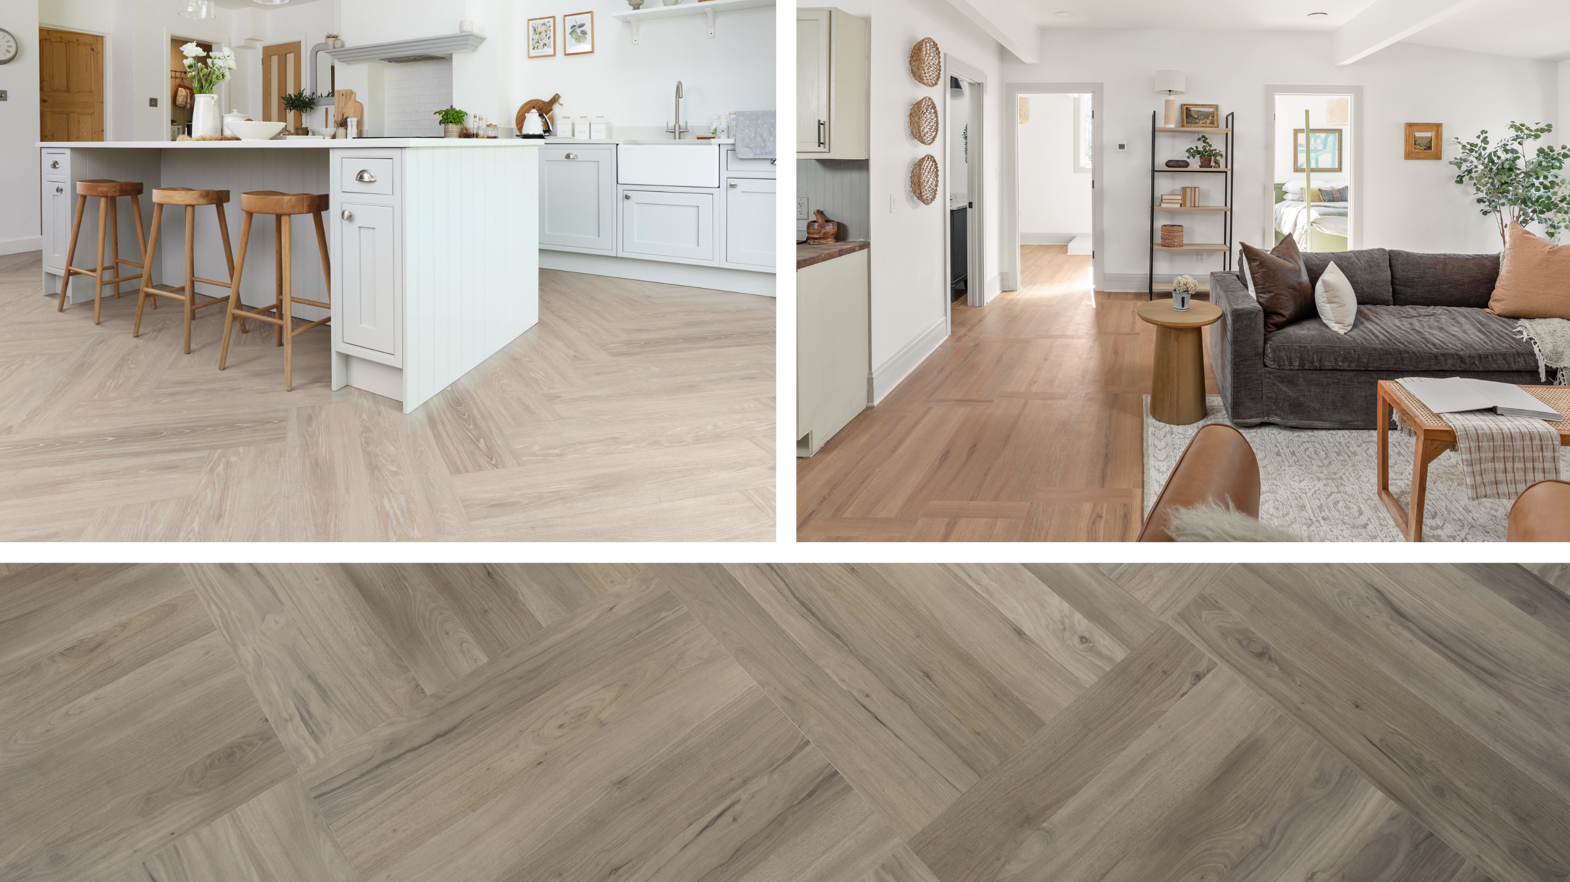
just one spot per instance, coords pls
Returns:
(1534, 277)
(1336, 300)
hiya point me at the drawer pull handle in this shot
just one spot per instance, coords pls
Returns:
(822, 136)
(348, 215)
(365, 176)
(55, 164)
(572, 156)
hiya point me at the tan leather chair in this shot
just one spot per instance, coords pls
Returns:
(1217, 467)
(1541, 513)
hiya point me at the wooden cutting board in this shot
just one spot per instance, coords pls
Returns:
(344, 107)
(547, 111)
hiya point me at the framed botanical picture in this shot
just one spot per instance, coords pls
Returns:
(1200, 116)
(1425, 141)
(542, 37)
(577, 33)
(1323, 147)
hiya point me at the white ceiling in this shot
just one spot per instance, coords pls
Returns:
(1521, 28)
(1238, 15)
(247, 4)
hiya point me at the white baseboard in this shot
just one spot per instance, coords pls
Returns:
(1047, 238)
(891, 373)
(712, 277)
(22, 245)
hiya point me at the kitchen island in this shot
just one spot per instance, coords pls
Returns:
(434, 243)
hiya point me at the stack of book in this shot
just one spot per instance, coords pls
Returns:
(1190, 197)
(1171, 200)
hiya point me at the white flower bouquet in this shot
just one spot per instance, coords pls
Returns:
(1185, 284)
(206, 75)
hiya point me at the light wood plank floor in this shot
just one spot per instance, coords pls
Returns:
(842, 723)
(633, 412)
(1024, 426)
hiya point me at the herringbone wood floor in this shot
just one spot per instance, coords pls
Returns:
(633, 412)
(833, 723)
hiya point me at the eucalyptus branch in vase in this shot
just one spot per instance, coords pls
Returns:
(1515, 187)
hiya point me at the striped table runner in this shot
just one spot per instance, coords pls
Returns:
(1501, 456)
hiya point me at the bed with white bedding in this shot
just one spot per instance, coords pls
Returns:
(1294, 219)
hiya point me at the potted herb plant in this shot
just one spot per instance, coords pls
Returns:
(1206, 153)
(205, 77)
(1514, 187)
(303, 103)
(452, 121)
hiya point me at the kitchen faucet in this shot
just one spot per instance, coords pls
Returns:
(676, 128)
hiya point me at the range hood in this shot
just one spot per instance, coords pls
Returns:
(409, 51)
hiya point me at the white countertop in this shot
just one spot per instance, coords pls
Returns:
(685, 142)
(301, 144)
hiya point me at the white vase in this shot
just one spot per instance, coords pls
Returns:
(205, 120)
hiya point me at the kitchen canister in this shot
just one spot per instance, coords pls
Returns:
(600, 128)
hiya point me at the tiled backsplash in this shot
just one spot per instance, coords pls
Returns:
(411, 95)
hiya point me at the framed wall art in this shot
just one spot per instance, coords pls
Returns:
(1425, 141)
(577, 33)
(1324, 146)
(1200, 116)
(542, 37)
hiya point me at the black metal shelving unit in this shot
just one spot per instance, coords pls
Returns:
(1227, 189)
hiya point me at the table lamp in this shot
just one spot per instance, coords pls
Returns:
(1171, 82)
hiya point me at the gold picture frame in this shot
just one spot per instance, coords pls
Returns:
(1424, 141)
(1326, 143)
(542, 37)
(1199, 116)
(577, 31)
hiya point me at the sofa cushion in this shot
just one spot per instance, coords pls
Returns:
(1534, 277)
(1368, 270)
(1443, 279)
(1280, 283)
(1403, 338)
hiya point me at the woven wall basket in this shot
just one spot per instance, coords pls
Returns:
(926, 62)
(1172, 235)
(924, 179)
(924, 120)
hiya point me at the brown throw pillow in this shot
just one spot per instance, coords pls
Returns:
(1534, 278)
(1280, 283)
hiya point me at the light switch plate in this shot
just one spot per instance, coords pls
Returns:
(1122, 146)
(801, 208)
(152, 102)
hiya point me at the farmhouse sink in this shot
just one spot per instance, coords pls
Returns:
(668, 164)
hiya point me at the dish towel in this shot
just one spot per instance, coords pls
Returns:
(1501, 456)
(755, 134)
(1550, 339)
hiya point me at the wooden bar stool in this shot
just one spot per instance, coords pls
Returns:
(283, 207)
(107, 193)
(184, 197)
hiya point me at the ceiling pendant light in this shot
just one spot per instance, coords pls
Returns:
(199, 9)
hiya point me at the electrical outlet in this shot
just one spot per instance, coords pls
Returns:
(152, 102)
(4, 95)
(801, 208)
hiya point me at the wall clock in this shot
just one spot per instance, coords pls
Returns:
(8, 47)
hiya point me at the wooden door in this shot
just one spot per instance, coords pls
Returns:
(280, 77)
(70, 85)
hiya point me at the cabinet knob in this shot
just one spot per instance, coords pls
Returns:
(365, 176)
(733, 185)
(572, 156)
(348, 215)
(626, 195)
(55, 164)
(59, 189)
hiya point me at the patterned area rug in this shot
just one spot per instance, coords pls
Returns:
(1319, 483)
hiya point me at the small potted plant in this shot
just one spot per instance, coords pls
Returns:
(452, 121)
(1206, 153)
(1183, 290)
(303, 103)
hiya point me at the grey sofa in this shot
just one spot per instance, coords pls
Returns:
(1418, 315)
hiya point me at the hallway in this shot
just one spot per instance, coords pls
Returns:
(1024, 426)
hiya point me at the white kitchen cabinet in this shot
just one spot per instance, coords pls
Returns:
(749, 223)
(668, 224)
(578, 198)
(59, 207)
(368, 301)
(833, 347)
(832, 118)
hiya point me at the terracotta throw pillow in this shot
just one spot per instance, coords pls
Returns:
(1534, 278)
(1280, 283)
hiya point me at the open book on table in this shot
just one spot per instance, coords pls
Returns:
(1460, 395)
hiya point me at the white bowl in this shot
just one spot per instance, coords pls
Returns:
(255, 131)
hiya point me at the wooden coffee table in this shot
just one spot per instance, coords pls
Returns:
(1434, 436)
(1177, 385)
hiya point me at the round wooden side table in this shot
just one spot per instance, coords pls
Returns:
(1177, 386)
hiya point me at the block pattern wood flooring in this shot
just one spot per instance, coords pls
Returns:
(830, 723)
(633, 412)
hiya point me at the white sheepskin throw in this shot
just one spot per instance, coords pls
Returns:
(1216, 523)
(1550, 339)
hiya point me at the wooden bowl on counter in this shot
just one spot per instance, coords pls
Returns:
(821, 231)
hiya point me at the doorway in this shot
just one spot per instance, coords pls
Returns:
(1314, 153)
(70, 85)
(1052, 162)
(963, 187)
(280, 76)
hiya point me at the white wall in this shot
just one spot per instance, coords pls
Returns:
(19, 178)
(959, 112)
(1407, 204)
(1289, 118)
(1563, 125)
(1054, 199)
(305, 23)
(909, 295)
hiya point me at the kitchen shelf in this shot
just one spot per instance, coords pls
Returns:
(1218, 247)
(635, 17)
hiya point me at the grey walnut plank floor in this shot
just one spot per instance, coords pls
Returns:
(828, 723)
